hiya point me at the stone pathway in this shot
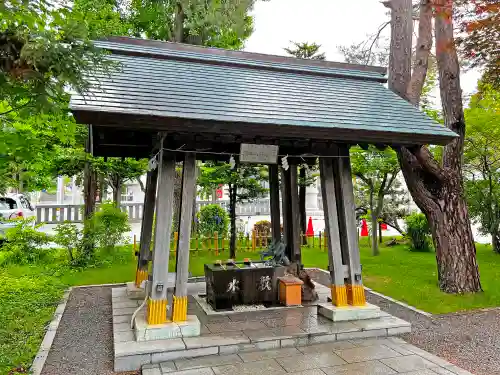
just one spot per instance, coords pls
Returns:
(84, 346)
(353, 357)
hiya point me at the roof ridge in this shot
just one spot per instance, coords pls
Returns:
(216, 56)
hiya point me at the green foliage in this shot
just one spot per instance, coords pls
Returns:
(110, 225)
(46, 50)
(69, 237)
(29, 147)
(263, 227)
(481, 159)
(25, 244)
(376, 172)
(418, 231)
(223, 24)
(103, 18)
(305, 50)
(213, 218)
(246, 177)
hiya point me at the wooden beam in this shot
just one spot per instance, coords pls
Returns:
(295, 208)
(157, 303)
(335, 266)
(146, 227)
(274, 197)
(287, 212)
(348, 226)
(179, 303)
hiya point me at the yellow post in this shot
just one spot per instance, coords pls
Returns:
(216, 242)
(176, 237)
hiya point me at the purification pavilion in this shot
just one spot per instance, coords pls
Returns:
(179, 102)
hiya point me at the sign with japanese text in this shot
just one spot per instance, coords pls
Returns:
(263, 154)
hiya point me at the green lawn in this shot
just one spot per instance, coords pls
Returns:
(412, 277)
(29, 294)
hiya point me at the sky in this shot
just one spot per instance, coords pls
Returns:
(329, 23)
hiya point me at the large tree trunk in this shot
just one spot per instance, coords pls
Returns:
(437, 190)
(89, 196)
(102, 188)
(89, 191)
(302, 204)
(179, 24)
(495, 241)
(373, 221)
(233, 190)
(117, 192)
(374, 225)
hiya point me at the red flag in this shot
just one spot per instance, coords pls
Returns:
(364, 228)
(310, 231)
(383, 226)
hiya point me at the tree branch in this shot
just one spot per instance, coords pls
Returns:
(141, 184)
(428, 163)
(16, 108)
(424, 44)
(375, 38)
(391, 180)
(364, 179)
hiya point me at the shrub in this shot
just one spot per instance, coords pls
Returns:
(263, 227)
(69, 237)
(213, 218)
(418, 231)
(25, 243)
(109, 226)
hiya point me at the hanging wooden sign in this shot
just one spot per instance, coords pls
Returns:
(261, 154)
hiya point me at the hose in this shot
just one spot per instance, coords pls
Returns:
(142, 304)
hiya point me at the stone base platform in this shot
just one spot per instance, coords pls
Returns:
(146, 332)
(348, 313)
(134, 292)
(238, 332)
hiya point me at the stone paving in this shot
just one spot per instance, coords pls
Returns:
(352, 357)
(239, 332)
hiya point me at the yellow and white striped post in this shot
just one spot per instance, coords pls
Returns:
(180, 299)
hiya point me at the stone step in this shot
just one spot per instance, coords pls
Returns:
(360, 356)
(130, 355)
(240, 334)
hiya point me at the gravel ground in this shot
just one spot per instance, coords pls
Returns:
(469, 340)
(84, 341)
(83, 344)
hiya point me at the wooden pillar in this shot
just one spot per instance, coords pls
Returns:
(348, 228)
(146, 228)
(287, 212)
(274, 197)
(295, 208)
(157, 302)
(335, 266)
(179, 303)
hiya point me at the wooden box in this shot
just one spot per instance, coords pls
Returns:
(290, 290)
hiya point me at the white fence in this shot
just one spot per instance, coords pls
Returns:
(58, 213)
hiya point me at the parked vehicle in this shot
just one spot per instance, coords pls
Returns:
(4, 226)
(14, 206)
